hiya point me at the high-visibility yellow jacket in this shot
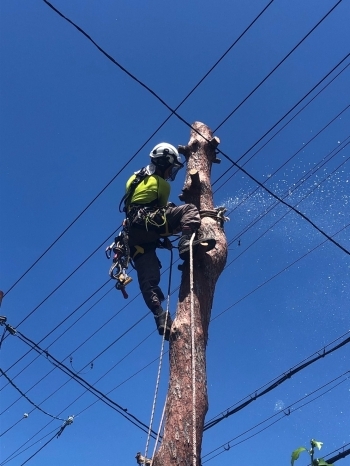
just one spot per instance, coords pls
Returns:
(150, 189)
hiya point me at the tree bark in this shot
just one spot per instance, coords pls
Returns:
(177, 443)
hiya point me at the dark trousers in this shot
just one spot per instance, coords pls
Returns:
(146, 263)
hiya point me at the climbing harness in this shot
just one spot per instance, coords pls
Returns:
(159, 369)
(139, 176)
(121, 259)
(147, 216)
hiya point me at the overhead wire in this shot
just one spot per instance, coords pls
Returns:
(15, 453)
(66, 279)
(93, 390)
(277, 66)
(287, 410)
(254, 290)
(57, 434)
(339, 456)
(79, 318)
(145, 143)
(86, 391)
(276, 383)
(150, 90)
(229, 264)
(296, 185)
(39, 355)
(255, 144)
(173, 111)
(27, 398)
(61, 323)
(288, 193)
(321, 80)
(275, 124)
(254, 154)
(276, 274)
(322, 350)
(281, 129)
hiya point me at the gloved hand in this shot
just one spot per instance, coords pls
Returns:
(170, 204)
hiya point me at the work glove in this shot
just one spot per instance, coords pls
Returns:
(170, 204)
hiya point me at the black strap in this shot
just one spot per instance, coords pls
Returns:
(140, 176)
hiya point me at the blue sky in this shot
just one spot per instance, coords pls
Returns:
(70, 120)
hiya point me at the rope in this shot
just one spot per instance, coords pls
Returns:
(159, 430)
(194, 437)
(160, 364)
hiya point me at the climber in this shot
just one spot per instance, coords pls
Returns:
(150, 217)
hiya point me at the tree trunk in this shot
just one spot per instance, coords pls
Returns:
(177, 443)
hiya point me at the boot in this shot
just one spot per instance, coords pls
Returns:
(163, 322)
(184, 245)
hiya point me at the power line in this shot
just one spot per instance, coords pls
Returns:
(285, 115)
(220, 151)
(248, 196)
(146, 142)
(272, 137)
(107, 238)
(287, 194)
(230, 306)
(236, 302)
(131, 377)
(277, 66)
(105, 324)
(95, 358)
(286, 411)
(58, 434)
(173, 111)
(276, 274)
(67, 278)
(277, 382)
(79, 413)
(61, 323)
(339, 456)
(238, 159)
(28, 399)
(326, 159)
(38, 356)
(123, 411)
(73, 312)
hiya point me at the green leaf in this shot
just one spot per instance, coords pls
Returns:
(317, 444)
(296, 454)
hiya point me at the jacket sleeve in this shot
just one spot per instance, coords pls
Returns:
(163, 192)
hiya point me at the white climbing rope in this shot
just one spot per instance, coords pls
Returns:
(194, 437)
(157, 382)
(159, 430)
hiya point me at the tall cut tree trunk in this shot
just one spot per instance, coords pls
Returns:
(177, 443)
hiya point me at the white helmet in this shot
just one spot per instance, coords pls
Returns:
(165, 155)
